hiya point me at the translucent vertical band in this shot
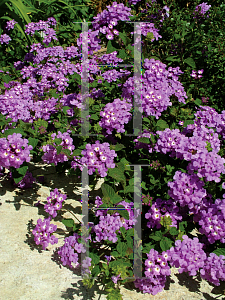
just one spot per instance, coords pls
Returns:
(84, 83)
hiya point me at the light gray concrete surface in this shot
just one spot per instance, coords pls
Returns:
(29, 273)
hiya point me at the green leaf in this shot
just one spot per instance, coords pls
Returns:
(117, 147)
(68, 222)
(11, 131)
(57, 141)
(77, 152)
(198, 102)
(95, 271)
(129, 189)
(177, 36)
(94, 258)
(94, 117)
(124, 213)
(144, 140)
(116, 199)
(117, 174)
(165, 244)
(219, 251)
(130, 232)
(157, 237)
(65, 108)
(123, 231)
(123, 37)
(59, 149)
(67, 152)
(187, 122)
(173, 231)
(108, 192)
(190, 61)
(33, 142)
(115, 254)
(110, 48)
(182, 225)
(173, 58)
(162, 124)
(122, 248)
(147, 248)
(122, 54)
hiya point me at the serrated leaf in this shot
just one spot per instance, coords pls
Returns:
(173, 231)
(147, 248)
(121, 248)
(157, 236)
(115, 254)
(177, 36)
(165, 244)
(116, 199)
(94, 258)
(59, 149)
(117, 174)
(107, 190)
(219, 251)
(144, 140)
(162, 124)
(94, 117)
(124, 214)
(33, 142)
(123, 231)
(129, 189)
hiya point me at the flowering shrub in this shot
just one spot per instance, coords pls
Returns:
(182, 141)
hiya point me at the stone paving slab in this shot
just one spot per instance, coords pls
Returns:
(30, 273)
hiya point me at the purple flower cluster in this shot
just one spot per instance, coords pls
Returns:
(106, 229)
(5, 38)
(26, 182)
(44, 26)
(156, 266)
(14, 151)
(113, 75)
(169, 141)
(186, 189)
(162, 208)
(144, 28)
(51, 155)
(133, 213)
(211, 218)
(115, 115)
(55, 202)
(10, 24)
(106, 20)
(195, 75)
(91, 37)
(209, 166)
(201, 10)
(96, 156)
(156, 86)
(214, 269)
(187, 255)
(140, 145)
(66, 252)
(42, 233)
